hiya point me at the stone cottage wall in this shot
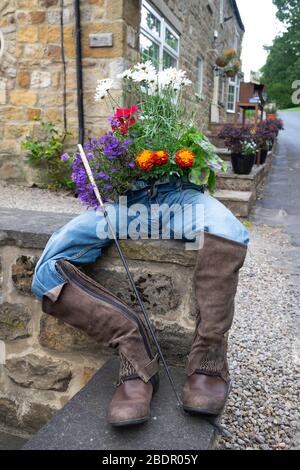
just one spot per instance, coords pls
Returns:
(31, 69)
(44, 361)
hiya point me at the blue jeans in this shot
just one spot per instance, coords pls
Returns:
(82, 240)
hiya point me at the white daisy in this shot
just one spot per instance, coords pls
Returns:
(103, 86)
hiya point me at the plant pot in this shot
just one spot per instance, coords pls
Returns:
(271, 116)
(263, 156)
(242, 164)
(231, 73)
(221, 62)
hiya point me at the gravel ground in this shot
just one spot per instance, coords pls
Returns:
(263, 408)
(36, 199)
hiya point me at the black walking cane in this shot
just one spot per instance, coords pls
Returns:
(125, 264)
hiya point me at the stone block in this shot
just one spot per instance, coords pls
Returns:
(158, 291)
(40, 79)
(14, 321)
(39, 372)
(33, 53)
(22, 273)
(36, 415)
(49, 34)
(11, 167)
(27, 34)
(59, 336)
(23, 79)
(8, 412)
(69, 41)
(175, 340)
(168, 251)
(11, 113)
(33, 113)
(16, 131)
(54, 53)
(37, 16)
(23, 97)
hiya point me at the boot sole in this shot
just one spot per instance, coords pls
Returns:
(200, 411)
(206, 412)
(132, 422)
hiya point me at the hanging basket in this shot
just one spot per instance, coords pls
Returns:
(231, 73)
(221, 62)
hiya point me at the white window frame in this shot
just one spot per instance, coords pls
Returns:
(222, 15)
(236, 83)
(161, 40)
(199, 82)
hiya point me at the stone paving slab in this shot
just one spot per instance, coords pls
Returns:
(82, 424)
(10, 442)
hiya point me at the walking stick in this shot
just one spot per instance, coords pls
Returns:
(125, 264)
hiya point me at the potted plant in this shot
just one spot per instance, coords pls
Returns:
(230, 53)
(265, 137)
(221, 61)
(139, 151)
(241, 141)
(271, 112)
(243, 162)
(233, 68)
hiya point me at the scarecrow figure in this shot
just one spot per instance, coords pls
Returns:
(69, 295)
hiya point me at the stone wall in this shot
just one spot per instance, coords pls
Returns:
(200, 19)
(47, 361)
(31, 69)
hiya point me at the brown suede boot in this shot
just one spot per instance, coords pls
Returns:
(86, 305)
(215, 282)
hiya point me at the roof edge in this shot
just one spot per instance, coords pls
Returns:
(238, 15)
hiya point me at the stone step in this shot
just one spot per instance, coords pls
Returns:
(233, 182)
(239, 202)
(214, 139)
(81, 424)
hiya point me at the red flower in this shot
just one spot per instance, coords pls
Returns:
(124, 118)
(160, 157)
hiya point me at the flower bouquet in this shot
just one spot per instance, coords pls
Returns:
(153, 138)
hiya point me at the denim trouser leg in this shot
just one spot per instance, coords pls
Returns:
(82, 240)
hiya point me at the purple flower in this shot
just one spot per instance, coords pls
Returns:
(111, 165)
(65, 157)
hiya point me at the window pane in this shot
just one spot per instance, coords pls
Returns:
(171, 40)
(169, 61)
(231, 98)
(150, 21)
(149, 50)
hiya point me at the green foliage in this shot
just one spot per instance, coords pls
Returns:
(207, 162)
(45, 155)
(283, 63)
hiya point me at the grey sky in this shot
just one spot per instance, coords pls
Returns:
(259, 17)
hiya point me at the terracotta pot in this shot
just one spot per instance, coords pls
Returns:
(271, 116)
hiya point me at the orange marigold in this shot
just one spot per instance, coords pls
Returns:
(185, 158)
(144, 160)
(160, 157)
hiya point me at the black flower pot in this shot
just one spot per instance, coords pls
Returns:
(242, 164)
(263, 156)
